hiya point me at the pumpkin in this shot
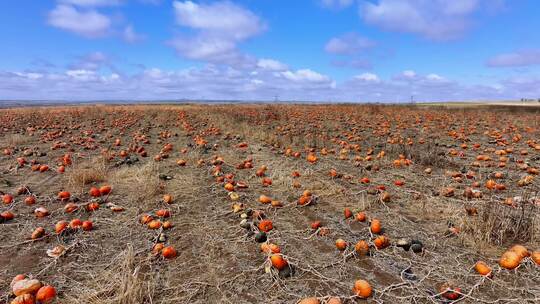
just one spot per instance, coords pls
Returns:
(265, 199)
(94, 192)
(87, 225)
(154, 224)
(270, 248)
(105, 190)
(309, 301)
(535, 256)
(75, 223)
(16, 279)
(229, 187)
(26, 286)
(46, 294)
(362, 289)
(361, 216)
(278, 261)
(510, 260)
(7, 216)
(169, 252)
(163, 213)
(145, 219)
(316, 225)
(92, 206)
(521, 251)
(24, 299)
(341, 244)
(70, 208)
(482, 268)
(311, 158)
(60, 226)
(276, 204)
(375, 226)
(266, 225)
(167, 225)
(362, 247)
(157, 248)
(381, 242)
(64, 195)
(7, 199)
(41, 212)
(30, 200)
(38, 233)
(449, 291)
(347, 213)
(167, 199)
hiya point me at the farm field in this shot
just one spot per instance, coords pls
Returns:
(270, 204)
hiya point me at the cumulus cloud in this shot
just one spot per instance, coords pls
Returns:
(88, 23)
(271, 64)
(516, 59)
(435, 19)
(369, 77)
(219, 27)
(348, 44)
(129, 35)
(305, 75)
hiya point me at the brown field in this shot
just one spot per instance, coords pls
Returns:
(458, 183)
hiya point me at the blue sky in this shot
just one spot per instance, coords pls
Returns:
(322, 50)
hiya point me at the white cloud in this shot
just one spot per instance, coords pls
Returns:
(305, 75)
(435, 19)
(271, 64)
(337, 3)
(223, 18)
(349, 43)
(408, 74)
(220, 27)
(370, 77)
(516, 59)
(434, 77)
(88, 23)
(129, 35)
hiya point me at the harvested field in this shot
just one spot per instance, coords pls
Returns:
(449, 186)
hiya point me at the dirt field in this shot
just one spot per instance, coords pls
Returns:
(449, 186)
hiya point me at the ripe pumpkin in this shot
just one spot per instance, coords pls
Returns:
(163, 213)
(145, 219)
(449, 291)
(361, 217)
(75, 224)
(24, 299)
(105, 190)
(316, 225)
(266, 225)
(362, 247)
(309, 301)
(87, 225)
(157, 248)
(94, 192)
(265, 199)
(41, 212)
(64, 195)
(510, 260)
(70, 207)
(167, 199)
(46, 294)
(229, 187)
(341, 244)
(278, 261)
(375, 226)
(169, 252)
(167, 225)
(381, 242)
(535, 256)
(270, 248)
(347, 213)
(362, 289)
(154, 224)
(26, 286)
(482, 268)
(30, 200)
(7, 199)
(38, 233)
(92, 206)
(60, 226)
(521, 251)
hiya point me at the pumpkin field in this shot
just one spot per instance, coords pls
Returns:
(262, 203)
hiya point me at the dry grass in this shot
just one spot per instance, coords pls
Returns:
(140, 183)
(86, 173)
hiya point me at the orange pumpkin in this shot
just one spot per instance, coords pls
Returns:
(361, 217)
(94, 192)
(347, 213)
(375, 226)
(105, 190)
(169, 252)
(60, 226)
(46, 294)
(362, 247)
(64, 195)
(341, 244)
(266, 225)
(278, 261)
(482, 268)
(510, 260)
(265, 199)
(87, 225)
(362, 289)
(535, 256)
(381, 242)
